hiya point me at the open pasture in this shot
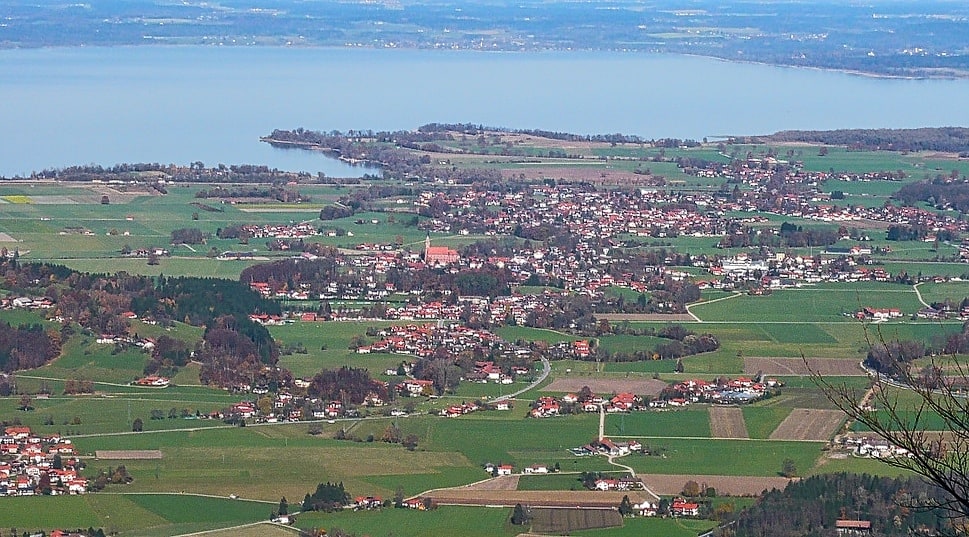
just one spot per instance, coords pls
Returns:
(327, 347)
(727, 422)
(809, 424)
(686, 422)
(803, 366)
(762, 420)
(257, 462)
(447, 520)
(953, 291)
(130, 514)
(825, 303)
(684, 456)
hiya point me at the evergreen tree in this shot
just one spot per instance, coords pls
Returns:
(625, 507)
(283, 506)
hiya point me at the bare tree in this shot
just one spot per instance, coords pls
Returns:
(925, 412)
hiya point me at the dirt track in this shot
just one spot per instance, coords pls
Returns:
(809, 424)
(727, 422)
(838, 367)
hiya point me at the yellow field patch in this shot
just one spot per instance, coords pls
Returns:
(17, 199)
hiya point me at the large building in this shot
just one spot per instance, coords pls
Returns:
(438, 255)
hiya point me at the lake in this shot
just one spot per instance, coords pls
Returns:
(211, 104)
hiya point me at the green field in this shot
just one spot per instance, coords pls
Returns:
(68, 225)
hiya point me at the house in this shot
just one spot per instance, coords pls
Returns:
(646, 508)
(368, 502)
(681, 507)
(852, 528)
(282, 519)
(416, 387)
(536, 469)
(415, 503)
(505, 469)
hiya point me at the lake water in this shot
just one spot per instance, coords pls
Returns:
(183, 104)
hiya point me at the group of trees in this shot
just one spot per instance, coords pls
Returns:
(277, 193)
(188, 236)
(812, 505)
(327, 497)
(235, 352)
(949, 139)
(788, 236)
(947, 192)
(349, 385)
(27, 346)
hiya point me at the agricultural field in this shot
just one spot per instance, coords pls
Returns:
(727, 422)
(185, 467)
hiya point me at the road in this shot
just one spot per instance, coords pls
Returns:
(546, 370)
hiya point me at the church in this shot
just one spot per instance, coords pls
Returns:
(439, 255)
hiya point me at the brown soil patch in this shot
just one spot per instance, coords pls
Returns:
(638, 386)
(129, 455)
(727, 422)
(505, 482)
(838, 367)
(535, 498)
(809, 424)
(671, 485)
(566, 521)
(671, 317)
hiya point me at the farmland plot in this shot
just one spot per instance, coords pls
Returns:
(809, 424)
(566, 521)
(640, 386)
(840, 367)
(727, 422)
(671, 485)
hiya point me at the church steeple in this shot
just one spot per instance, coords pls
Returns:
(427, 245)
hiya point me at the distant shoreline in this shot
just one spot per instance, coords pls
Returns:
(956, 75)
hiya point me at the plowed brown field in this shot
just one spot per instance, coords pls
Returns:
(670, 485)
(727, 422)
(809, 424)
(638, 386)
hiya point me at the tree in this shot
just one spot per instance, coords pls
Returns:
(25, 403)
(137, 426)
(283, 506)
(625, 507)
(788, 468)
(519, 515)
(391, 434)
(691, 489)
(410, 442)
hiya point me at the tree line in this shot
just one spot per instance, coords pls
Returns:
(949, 139)
(811, 507)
